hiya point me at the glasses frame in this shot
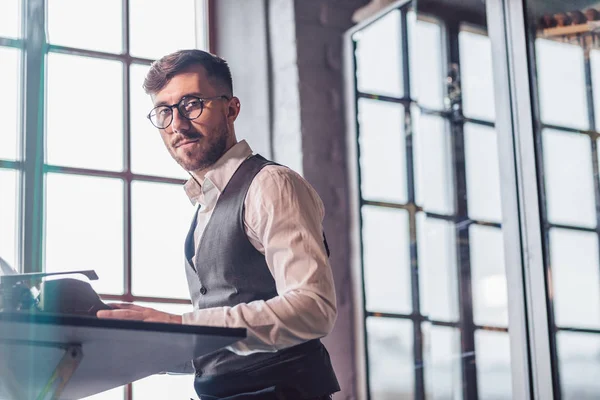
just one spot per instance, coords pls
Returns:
(179, 103)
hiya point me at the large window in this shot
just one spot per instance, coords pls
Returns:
(85, 181)
(566, 75)
(434, 282)
(11, 80)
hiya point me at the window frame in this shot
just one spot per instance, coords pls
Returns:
(523, 144)
(451, 23)
(31, 165)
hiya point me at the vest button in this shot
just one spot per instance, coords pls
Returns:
(203, 290)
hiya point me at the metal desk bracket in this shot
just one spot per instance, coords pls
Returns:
(63, 372)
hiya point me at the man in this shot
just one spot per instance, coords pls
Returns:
(256, 256)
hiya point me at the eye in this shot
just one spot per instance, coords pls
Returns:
(192, 104)
(163, 112)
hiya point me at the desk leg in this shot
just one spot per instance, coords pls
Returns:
(63, 372)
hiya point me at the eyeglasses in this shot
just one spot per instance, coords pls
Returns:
(189, 107)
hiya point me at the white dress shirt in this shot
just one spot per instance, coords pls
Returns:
(283, 220)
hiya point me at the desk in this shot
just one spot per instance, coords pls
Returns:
(96, 354)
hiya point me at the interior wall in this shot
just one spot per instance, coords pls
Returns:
(286, 59)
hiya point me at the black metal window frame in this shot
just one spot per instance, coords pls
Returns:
(31, 161)
(546, 225)
(456, 120)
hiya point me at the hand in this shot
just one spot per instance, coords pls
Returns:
(138, 313)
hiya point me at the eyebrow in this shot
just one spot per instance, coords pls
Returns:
(164, 103)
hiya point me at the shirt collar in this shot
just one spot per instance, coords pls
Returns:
(220, 173)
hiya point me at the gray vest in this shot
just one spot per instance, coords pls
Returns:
(230, 271)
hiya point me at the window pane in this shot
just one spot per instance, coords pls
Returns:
(575, 277)
(149, 156)
(493, 365)
(158, 260)
(165, 387)
(569, 178)
(443, 364)
(10, 19)
(382, 151)
(10, 101)
(476, 76)
(578, 364)
(113, 394)
(85, 129)
(8, 216)
(391, 361)
(483, 173)
(386, 259)
(145, 18)
(76, 23)
(84, 228)
(490, 298)
(433, 165)
(437, 268)
(427, 75)
(378, 57)
(561, 84)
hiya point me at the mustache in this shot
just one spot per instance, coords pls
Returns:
(186, 137)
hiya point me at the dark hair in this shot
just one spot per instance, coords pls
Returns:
(163, 70)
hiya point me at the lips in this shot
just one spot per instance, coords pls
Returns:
(185, 142)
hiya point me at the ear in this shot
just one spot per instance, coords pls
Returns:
(233, 109)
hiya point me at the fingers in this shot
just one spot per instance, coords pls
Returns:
(128, 306)
(120, 314)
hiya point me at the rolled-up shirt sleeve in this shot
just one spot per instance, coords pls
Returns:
(283, 220)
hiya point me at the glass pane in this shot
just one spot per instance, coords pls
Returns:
(561, 84)
(145, 16)
(443, 364)
(84, 228)
(10, 101)
(379, 57)
(76, 23)
(9, 186)
(113, 394)
(595, 72)
(488, 276)
(432, 147)
(437, 268)
(85, 130)
(165, 387)
(427, 75)
(386, 258)
(483, 173)
(157, 239)
(494, 380)
(575, 277)
(382, 151)
(391, 361)
(149, 156)
(579, 367)
(569, 178)
(10, 19)
(476, 76)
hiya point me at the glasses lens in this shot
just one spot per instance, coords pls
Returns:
(191, 107)
(161, 117)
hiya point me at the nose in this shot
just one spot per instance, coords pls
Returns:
(179, 124)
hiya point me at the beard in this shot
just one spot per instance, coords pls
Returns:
(203, 153)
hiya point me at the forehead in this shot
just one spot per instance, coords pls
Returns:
(192, 80)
